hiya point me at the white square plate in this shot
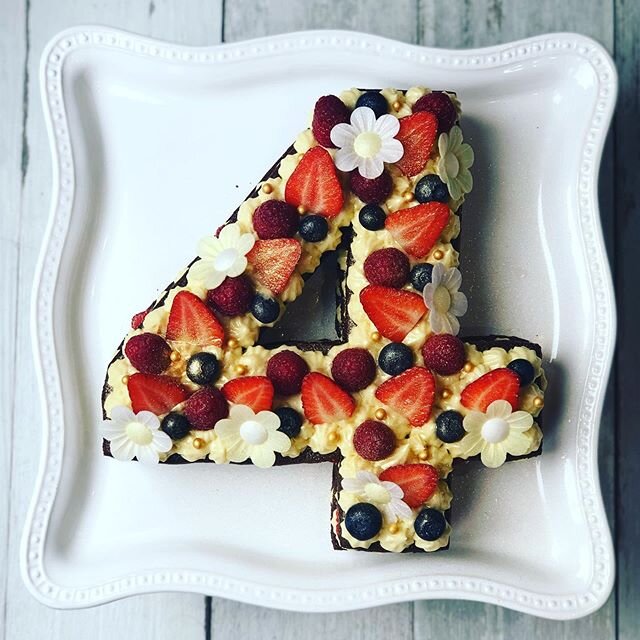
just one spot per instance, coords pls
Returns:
(153, 146)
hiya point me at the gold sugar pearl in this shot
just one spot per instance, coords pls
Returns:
(394, 528)
(446, 394)
(198, 443)
(232, 343)
(407, 196)
(241, 369)
(125, 379)
(397, 105)
(267, 188)
(468, 367)
(332, 436)
(376, 337)
(175, 356)
(301, 210)
(538, 402)
(423, 455)
(380, 414)
(438, 254)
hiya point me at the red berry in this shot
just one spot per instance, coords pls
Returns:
(148, 353)
(387, 267)
(191, 320)
(205, 407)
(274, 261)
(324, 401)
(314, 184)
(233, 297)
(443, 354)
(374, 440)
(275, 219)
(417, 481)
(499, 384)
(410, 393)
(158, 394)
(353, 369)
(417, 228)
(328, 112)
(286, 371)
(417, 134)
(371, 190)
(138, 318)
(438, 103)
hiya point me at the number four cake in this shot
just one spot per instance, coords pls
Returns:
(379, 177)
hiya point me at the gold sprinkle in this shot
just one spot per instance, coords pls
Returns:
(301, 210)
(267, 188)
(125, 379)
(198, 443)
(446, 394)
(396, 105)
(332, 436)
(438, 254)
(380, 414)
(232, 343)
(175, 356)
(407, 196)
(241, 369)
(538, 402)
(394, 528)
(376, 337)
(469, 367)
(423, 455)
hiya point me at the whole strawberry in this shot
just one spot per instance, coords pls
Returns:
(328, 112)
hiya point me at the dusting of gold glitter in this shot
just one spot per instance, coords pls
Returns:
(438, 254)
(381, 414)
(267, 188)
(198, 443)
(468, 367)
(538, 402)
(175, 356)
(125, 379)
(446, 394)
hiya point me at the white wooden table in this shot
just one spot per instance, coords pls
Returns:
(25, 177)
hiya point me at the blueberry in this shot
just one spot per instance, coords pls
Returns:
(313, 228)
(449, 426)
(175, 425)
(203, 368)
(265, 310)
(524, 370)
(375, 101)
(430, 524)
(431, 188)
(372, 217)
(421, 275)
(290, 421)
(363, 521)
(395, 358)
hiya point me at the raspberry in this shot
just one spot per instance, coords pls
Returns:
(373, 190)
(328, 112)
(233, 297)
(374, 440)
(438, 103)
(353, 369)
(286, 370)
(205, 407)
(148, 353)
(275, 219)
(138, 318)
(443, 354)
(387, 267)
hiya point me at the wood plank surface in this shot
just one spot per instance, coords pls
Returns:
(29, 172)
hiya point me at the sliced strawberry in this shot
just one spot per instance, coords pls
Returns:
(158, 394)
(324, 401)
(274, 261)
(417, 481)
(314, 184)
(411, 393)
(191, 320)
(417, 133)
(416, 229)
(499, 384)
(254, 391)
(394, 311)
